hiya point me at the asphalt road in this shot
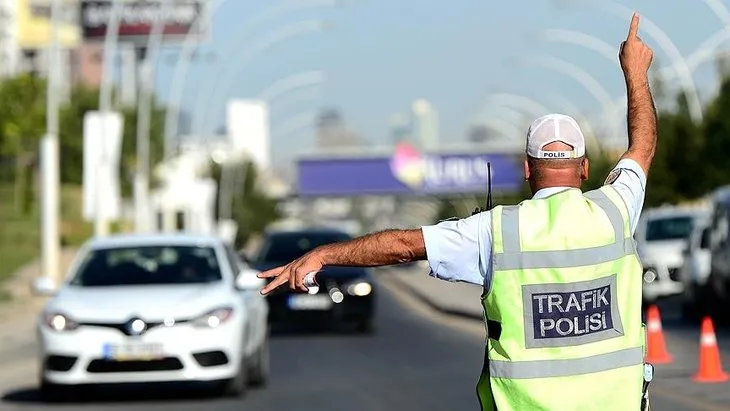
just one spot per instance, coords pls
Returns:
(416, 360)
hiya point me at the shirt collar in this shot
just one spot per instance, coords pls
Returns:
(548, 191)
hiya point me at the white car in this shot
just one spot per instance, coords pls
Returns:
(695, 271)
(153, 308)
(662, 235)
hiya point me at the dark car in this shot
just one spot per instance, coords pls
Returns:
(345, 296)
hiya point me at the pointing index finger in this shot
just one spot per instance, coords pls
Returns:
(272, 272)
(634, 28)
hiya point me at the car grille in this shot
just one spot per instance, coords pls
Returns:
(674, 274)
(164, 364)
(122, 327)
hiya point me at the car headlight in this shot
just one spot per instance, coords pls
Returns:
(360, 288)
(59, 322)
(650, 275)
(214, 318)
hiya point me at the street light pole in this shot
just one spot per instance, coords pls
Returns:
(50, 243)
(141, 175)
(101, 225)
(147, 59)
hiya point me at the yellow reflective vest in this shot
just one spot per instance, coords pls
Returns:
(564, 308)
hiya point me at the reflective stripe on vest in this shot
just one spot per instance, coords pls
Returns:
(514, 259)
(562, 368)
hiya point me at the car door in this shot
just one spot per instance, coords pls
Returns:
(252, 301)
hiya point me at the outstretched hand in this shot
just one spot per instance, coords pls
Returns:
(635, 56)
(293, 273)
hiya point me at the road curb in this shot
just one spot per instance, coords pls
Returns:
(393, 277)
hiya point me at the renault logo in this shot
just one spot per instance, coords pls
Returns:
(135, 326)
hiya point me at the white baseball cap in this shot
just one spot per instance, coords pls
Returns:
(551, 128)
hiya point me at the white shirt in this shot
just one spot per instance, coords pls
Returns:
(461, 250)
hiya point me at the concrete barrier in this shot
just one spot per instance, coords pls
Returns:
(460, 299)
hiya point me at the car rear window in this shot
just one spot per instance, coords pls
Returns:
(148, 265)
(669, 228)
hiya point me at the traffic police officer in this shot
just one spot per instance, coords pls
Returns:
(561, 277)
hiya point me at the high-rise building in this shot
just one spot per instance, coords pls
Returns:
(25, 34)
(400, 128)
(332, 131)
(424, 124)
(479, 134)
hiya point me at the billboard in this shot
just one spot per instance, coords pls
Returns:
(102, 155)
(33, 26)
(137, 19)
(247, 123)
(409, 172)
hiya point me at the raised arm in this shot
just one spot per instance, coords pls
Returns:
(636, 57)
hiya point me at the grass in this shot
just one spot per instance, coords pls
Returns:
(20, 231)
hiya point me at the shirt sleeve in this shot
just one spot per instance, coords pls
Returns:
(629, 179)
(460, 251)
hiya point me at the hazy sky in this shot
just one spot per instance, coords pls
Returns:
(379, 55)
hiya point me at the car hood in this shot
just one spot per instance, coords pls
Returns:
(150, 302)
(666, 253)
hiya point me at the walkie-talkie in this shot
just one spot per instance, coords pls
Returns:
(489, 192)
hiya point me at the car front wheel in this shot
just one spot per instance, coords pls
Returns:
(365, 326)
(259, 367)
(51, 392)
(237, 386)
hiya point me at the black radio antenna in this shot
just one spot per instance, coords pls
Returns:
(489, 186)
(489, 192)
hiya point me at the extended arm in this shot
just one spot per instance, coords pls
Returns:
(377, 249)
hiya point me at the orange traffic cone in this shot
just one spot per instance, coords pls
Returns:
(657, 350)
(710, 369)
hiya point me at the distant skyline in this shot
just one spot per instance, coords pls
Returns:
(380, 55)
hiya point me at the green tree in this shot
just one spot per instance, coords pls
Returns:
(714, 155)
(22, 123)
(84, 99)
(129, 144)
(71, 133)
(252, 210)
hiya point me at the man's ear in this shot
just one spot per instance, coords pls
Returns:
(526, 167)
(585, 166)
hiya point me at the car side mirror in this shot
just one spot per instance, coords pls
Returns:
(247, 280)
(44, 286)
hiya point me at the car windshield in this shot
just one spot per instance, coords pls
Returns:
(286, 247)
(148, 265)
(670, 228)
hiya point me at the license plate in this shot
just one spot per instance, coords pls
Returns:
(133, 352)
(310, 302)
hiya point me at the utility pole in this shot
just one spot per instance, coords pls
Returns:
(50, 239)
(141, 175)
(146, 59)
(101, 225)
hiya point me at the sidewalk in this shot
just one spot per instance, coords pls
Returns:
(460, 299)
(17, 317)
